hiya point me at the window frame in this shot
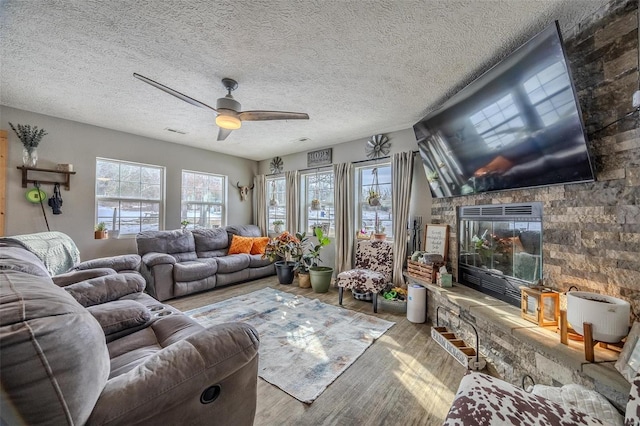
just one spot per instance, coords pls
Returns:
(281, 197)
(222, 204)
(100, 198)
(305, 204)
(361, 199)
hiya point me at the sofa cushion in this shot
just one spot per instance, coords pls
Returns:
(259, 245)
(20, 259)
(240, 245)
(256, 261)
(585, 400)
(232, 263)
(106, 289)
(120, 315)
(244, 230)
(210, 240)
(134, 349)
(40, 326)
(195, 269)
(178, 243)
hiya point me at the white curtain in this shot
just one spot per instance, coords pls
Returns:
(401, 176)
(292, 178)
(344, 204)
(260, 203)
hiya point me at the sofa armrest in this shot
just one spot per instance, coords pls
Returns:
(73, 277)
(120, 317)
(167, 388)
(106, 289)
(153, 259)
(125, 262)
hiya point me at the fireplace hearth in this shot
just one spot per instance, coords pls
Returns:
(500, 248)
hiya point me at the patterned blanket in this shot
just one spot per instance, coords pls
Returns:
(56, 250)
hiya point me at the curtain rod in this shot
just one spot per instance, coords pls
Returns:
(331, 165)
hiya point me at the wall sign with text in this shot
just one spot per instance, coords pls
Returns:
(321, 157)
(436, 239)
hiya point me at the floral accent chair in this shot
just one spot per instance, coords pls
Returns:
(374, 264)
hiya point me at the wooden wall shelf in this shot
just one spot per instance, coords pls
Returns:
(25, 176)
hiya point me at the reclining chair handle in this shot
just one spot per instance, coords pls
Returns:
(210, 394)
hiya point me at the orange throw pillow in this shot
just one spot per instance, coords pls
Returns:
(259, 245)
(240, 245)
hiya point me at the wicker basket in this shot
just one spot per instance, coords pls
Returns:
(426, 272)
(394, 306)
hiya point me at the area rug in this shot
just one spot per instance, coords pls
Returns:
(304, 344)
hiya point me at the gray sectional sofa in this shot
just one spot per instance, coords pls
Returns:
(98, 351)
(181, 262)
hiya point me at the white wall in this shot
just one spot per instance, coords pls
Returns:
(403, 140)
(80, 144)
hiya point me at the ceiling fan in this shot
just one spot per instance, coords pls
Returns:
(228, 109)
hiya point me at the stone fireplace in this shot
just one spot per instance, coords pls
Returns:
(500, 248)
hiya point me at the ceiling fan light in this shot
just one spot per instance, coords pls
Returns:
(228, 122)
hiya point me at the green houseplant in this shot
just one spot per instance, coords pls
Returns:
(320, 275)
(101, 231)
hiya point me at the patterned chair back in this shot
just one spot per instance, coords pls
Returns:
(375, 255)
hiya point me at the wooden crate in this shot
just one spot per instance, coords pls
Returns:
(426, 272)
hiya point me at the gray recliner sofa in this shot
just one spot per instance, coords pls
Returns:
(101, 352)
(181, 262)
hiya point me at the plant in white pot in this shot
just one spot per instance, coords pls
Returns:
(277, 226)
(320, 275)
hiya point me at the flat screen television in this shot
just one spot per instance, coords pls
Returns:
(518, 125)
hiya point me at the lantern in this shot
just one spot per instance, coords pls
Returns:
(540, 305)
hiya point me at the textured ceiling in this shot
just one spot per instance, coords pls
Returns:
(357, 67)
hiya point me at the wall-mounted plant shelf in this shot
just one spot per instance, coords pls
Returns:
(25, 176)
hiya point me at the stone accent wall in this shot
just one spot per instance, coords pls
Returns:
(591, 231)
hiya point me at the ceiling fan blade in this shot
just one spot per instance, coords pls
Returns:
(223, 133)
(272, 115)
(175, 93)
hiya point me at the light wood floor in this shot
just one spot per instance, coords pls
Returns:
(404, 378)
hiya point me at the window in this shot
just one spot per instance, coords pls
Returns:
(204, 199)
(367, 214)
(129, 196)
(276, 203)
(317, 193)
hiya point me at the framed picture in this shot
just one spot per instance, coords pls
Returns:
(628, 363)
(436, 239)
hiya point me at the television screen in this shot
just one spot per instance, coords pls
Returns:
(518, 125)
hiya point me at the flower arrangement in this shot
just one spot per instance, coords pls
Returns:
(30, 137)
(284, 246)
(481, 242)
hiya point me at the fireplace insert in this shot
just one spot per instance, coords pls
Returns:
(500, 248)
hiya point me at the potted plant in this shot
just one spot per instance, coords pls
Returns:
(315, 204)
(285, 246)
(184, 224)
(433, 179)
(277, 226)
(378, 233)
(373, 197)
(101, 231)
(30, 138)
(320, 275)
(304, 260)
